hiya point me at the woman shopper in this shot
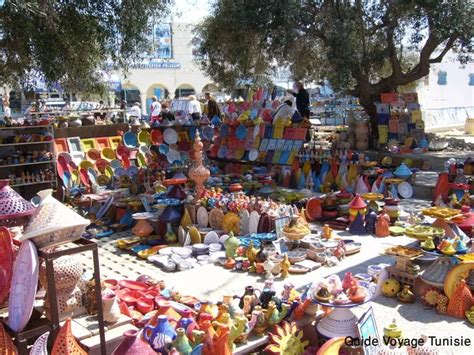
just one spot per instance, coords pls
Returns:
(155, 109)
(194, 108)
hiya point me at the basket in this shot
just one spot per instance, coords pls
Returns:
(295, 236)
(53, 223)
(14, 209)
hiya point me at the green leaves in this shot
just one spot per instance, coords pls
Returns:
(72, 42)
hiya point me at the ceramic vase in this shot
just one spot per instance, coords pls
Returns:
(143, 228)
(382, 226)
(65, 343)
(110, 308)
(161, 335)
(132, 344)
(181, 343)
(198, 173)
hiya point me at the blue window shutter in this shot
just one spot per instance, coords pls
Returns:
(442, 78)
(158, 93)
(471, 79)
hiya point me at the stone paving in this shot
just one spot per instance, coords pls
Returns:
(212, 282)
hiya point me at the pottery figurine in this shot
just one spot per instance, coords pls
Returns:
(266, 296)
(181, 343)
(249, 291)
(448, 250)
(236, 329)
(268, 266)
(286, 293)
(392, 330)
(231, 244)
(187, 322)
(461, 300)
(459, 245)
(285, 266)
(133, 344)
(65, 343)
(261, 256)
(229, 263)
(161, 335)
(198, 172)
(323, 294)
(349, 281)
(261, 322)
(251, 252)
(406, 295)
(219, 344)
(300, 310)
(274, 316)
(110, 308)
(335, 284)
(326, 232)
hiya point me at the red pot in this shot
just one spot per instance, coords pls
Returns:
(129, 297)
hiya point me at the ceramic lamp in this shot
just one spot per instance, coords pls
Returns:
(14, 209)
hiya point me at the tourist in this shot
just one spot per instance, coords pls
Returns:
(302, 99)
(135, 114)
(212, 106)
(194, 108)
(166, 114)
(155, 109)
(284, 111)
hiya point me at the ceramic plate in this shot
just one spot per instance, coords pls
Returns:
(405, 190)
(122, 151)
(253, 154)
(156, 136)
(170, 136)
(221, 153)
(223, 238)
(241, 132)
(116, 164)
(103, 180)
(254, 218)
(144, 149)
(181, 235)
(108, 153)
(314, 209)
(23, 286)
(211, 238)
(132, 170)
(215, 218)
(202, 217)
(208, 133)
(172, 156)
(231, 223)
(130, 140)
(93, 154)
(244, 222)
(120, 172)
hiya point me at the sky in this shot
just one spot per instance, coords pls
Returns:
(191, 11)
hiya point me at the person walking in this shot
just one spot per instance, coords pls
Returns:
(155, 109)
(194, 108)
(212, 107)
(302, 99)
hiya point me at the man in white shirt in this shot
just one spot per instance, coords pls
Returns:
(285, 110)
(135, 114)
(194, 108)
(155, 109)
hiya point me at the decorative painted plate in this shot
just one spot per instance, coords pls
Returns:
(132, 170)
(194, 235)
(244, 222)
(122, 151)
(156, 136)
(202, 217)
(314, 208)
(93, 154)
(105, 207)
(172, 156)
(231, 223)
(215, 218)
(170, 136)
(211, 238)
(405, 190)
(254, 218)
(103, 180)
(108, 154)
(144, 138)
(120, 172)
(130, 140)
(253, 154)
(24, 286)
(6, 263)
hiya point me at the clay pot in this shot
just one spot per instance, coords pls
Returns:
(132, 344)
(145, 305)
(129, 297)
(110, 308)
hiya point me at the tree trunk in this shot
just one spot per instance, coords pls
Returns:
(367, 101)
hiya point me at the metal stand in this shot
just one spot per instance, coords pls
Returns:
(37, 327)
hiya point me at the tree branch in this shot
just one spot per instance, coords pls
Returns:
(446, 49)
(392, 51)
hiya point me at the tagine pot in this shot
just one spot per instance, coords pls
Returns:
(132, 344)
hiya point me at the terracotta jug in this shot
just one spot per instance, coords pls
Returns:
(6, 343)
(132, 344)
(219, 345)
(65, 342)
(382, 227)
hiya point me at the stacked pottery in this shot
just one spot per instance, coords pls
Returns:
(362, 135)
(343, 199)
(67, 273)
(357, 207)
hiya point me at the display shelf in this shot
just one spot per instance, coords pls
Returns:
(34, 183)
(25, 143)
(27, 164)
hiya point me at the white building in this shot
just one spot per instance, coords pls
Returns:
(446, 95)
(170, 73)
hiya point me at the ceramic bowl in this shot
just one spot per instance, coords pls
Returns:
(222, 260)
(169, 266)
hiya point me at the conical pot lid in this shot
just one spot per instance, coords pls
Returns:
(402, 170)
(12, 205)
(357, 202)
(170, 214)
(52, 216)
(436, 273)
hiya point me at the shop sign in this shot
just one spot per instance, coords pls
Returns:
(157, 65)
